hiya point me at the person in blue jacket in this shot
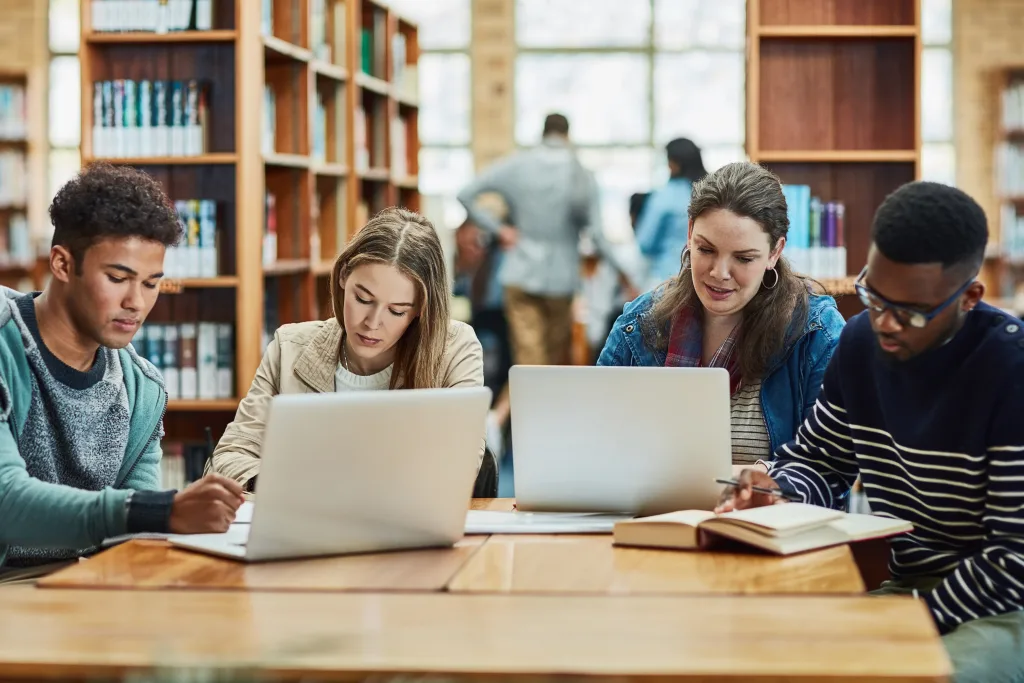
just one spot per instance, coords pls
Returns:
(736, 304)
(661, 226)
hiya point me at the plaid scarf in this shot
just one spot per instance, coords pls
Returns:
(685, 347)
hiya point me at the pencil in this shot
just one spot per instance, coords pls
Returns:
(759, 489)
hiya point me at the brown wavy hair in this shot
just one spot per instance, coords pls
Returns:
(408, 241)
(751, 191)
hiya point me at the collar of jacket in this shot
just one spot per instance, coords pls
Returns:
(319, 361)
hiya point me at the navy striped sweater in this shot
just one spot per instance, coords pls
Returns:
(938, 441)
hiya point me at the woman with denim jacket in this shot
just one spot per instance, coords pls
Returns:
(737, 304)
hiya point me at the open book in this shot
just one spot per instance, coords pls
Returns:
(781, 529)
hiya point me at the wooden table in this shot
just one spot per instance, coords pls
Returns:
(559, 564)
(333, 636)
(591, 564)
(156, 564)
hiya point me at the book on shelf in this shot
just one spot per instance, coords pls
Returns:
(1011, 232)
(269, 120)
(150, 118)
(816, 243)
(266, 17)
(318, 152)
(195, 358)
(782, 529)
(182, 463)
(155, 16)
(13, 112)
(1013, 106)
(359, 141)
(318, 30)
(16, 245)
(13, 178)
(270, 230)
(197, 254)
(1010, 168)
(399, 150)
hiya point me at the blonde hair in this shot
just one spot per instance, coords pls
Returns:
(406, 240)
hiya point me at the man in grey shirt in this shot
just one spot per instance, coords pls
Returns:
(552, 200)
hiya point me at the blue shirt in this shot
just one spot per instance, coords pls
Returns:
(937, 441)
(662, 227)
(789, 388)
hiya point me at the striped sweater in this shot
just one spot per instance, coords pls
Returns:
(938, 441)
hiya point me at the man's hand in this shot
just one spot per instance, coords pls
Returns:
(207, 506)
(507, 236)
(743, 496)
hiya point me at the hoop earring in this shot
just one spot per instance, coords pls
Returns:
(684, 260)
(774, 284)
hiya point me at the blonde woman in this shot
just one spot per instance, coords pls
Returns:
(391, 330)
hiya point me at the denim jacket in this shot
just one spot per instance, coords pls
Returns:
(792, 383)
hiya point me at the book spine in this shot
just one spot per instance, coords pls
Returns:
(189, 361)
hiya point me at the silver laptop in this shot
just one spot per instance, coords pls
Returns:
(357, 472)
(627, 440)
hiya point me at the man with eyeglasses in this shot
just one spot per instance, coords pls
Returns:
(924, 401)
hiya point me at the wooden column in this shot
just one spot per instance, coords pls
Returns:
(493, 52)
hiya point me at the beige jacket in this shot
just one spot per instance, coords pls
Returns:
(302, 358)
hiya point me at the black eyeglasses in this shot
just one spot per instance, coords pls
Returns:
(906, 317)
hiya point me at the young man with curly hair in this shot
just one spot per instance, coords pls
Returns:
(923, 400)
(81, 415)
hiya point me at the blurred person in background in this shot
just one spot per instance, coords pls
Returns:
(554, 200)
(661, 228)
(477, 263)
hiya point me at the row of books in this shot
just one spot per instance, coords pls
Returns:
(196, 359)
(182, 463)
(371, 60)
(197, 254)
(16, 245)
(1013, 106)
(815, 245)
(150, 118)
(1010, 169)
(1012, 232)
(318, 30)
(157, 16)
(13, 112)
(13, 178)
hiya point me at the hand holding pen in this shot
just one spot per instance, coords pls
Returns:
(753, 488)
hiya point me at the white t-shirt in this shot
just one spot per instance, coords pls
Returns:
(347, 381)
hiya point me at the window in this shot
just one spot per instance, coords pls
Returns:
(65, 123)
(938, 152)
(445, 120)
(631, 75)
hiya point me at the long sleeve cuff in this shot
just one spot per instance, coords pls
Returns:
(150, 512)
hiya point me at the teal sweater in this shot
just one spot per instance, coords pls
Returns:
(36, 513)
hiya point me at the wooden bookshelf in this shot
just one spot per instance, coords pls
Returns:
(1004, 263)
(304, 148)
(22, 144)
(833, 103)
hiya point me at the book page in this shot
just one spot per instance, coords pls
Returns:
(859, 527)
(779, 520)
(687, 517)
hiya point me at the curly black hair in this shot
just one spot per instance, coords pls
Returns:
(927, 222)
(112, 201)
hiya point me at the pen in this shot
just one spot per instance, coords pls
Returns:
(759, 489)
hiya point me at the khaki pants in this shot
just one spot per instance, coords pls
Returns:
(540, 327)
